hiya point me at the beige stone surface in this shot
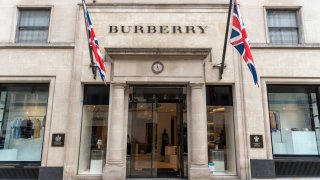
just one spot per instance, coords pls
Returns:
(62, 22)
(69, 67)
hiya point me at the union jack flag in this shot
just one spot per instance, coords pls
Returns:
(239, 40)
(94, 44)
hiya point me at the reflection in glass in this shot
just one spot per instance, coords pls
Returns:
(283, 26)
(221, 146)
(22, 119)
(33, 26)
(220, 129)
(141, 136)
(93, 139)
(294, 121)
(94, 129)
(157, 133)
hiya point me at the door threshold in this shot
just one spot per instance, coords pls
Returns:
(155, 178)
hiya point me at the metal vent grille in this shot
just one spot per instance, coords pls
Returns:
(19, 173)
(290, 168)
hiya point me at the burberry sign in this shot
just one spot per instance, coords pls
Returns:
(160, 29)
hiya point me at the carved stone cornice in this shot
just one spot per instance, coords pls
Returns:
(194, 53)
(118, 85)
(196, 85)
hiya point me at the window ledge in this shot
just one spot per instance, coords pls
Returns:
(224, 176)
(284, 46)
(37, 46)
(89, 177)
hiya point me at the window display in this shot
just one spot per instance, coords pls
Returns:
(22, 120)
(294, 121)
(220, 128)
(94, 129)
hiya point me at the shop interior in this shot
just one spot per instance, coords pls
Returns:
(22, 120)
(94, 129)
(294, 123)
(221, 146)
(157, 137)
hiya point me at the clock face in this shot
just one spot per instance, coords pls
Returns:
(157, 67)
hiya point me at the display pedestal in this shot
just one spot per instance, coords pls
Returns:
(171, 156)
(216, 163)
(170, 150)
(294, 142)
(302, 142)
(96, 167)
(219, 166)
(8, 154)
(96, 162)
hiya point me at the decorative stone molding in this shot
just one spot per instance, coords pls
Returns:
(200, 4)
(194, 53)
(37, 46)
(196, 85)
(118, 85)
(284, 46)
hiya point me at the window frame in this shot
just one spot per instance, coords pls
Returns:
(233, 103)
(297, 9)
(36, 8)
(308, 88)
(5, 86)
(86, 92)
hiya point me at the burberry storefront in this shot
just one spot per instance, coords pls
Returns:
(163, 114)
(156, 120)
(146, 126)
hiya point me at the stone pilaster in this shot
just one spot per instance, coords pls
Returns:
(199, 152)
(115, 166)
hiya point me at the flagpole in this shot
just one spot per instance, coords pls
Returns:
(93, 67)
(225, 42)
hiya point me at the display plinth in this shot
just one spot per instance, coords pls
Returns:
(96, 162)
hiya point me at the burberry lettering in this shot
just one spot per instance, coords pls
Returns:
(138, 29)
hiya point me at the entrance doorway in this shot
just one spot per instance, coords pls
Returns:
(157, 132)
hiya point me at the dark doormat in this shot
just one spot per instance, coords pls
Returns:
(167, 173)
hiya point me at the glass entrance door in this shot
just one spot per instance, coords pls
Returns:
(141, 140)
(157, 133)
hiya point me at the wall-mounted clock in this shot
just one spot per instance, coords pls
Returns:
(157, 67)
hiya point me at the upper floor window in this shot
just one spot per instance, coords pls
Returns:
(283, 26)
(33, 26)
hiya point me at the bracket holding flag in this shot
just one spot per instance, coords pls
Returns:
(222, 66)
(239, 40)
(94, 48)
(93, 67)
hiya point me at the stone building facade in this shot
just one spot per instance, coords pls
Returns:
(165, 112)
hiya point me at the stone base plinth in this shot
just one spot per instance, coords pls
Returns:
(199, 173)
(114, 172)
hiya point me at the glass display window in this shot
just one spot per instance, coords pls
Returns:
(294, 119)
(94, 129)
(220, 131)
(23, 109)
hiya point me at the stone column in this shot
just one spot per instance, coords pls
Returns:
(115, 166)
(199, 153)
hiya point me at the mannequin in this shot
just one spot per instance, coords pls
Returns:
(164, 141)
(99, 143)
